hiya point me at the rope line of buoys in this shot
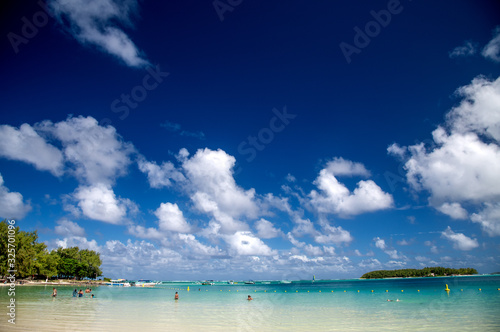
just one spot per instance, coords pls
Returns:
(447, 289)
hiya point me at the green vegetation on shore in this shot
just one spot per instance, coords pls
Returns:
(425, 272)
(33, 259)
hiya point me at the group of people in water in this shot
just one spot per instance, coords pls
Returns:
(80, 292)
(75, 292)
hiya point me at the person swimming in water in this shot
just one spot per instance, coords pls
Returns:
(75, 293)
(249, 298)
(54, 292)
(176, 297)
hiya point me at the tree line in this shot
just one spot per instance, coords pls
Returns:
(33, 259)
(425, 272)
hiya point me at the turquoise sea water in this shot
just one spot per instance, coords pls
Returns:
(306, 306)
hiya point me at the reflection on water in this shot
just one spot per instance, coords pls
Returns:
(423, 305)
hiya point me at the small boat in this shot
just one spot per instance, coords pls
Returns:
(145, 283)
(231, 282)
(208, 283)
(285, 282)
(250, 282)
(118, 282)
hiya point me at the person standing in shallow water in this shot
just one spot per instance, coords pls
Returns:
(54, 292)
(176, 297)
(75, 293)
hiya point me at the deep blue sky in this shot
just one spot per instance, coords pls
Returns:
(340, 187)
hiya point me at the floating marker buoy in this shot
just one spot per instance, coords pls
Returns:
(479, 289)
(308, 291)
(275, 291)
(372, 290)
(296, 291)
(332, 291)
(188, 289)
(320, 291)
(386, 290)
(402, 290)
(345, 291)
(358, 290)
(285, 291)
(447, 289)
(418, 290)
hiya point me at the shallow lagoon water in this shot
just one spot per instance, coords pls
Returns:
(319, 306)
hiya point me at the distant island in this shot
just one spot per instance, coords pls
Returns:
(425, 272)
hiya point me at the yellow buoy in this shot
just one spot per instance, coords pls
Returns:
(332, 291)
(402, 290)
(418, 290)
(285, 291)
(188, 289)
(308, 291)
(386, 290)
(358, 290)
(320, 291)
(372, 290)
(479, 289)
(345, 291)
(447, 289)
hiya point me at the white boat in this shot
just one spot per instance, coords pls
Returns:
(285, 282)
(118, 282)
(145, 283)
(208, 282)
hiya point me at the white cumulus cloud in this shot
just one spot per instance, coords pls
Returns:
(462, 169)
(97, 154)
(245, 243)
(25, 144)
(454, 210)
(335, 197)
(11, 203)
(160, 175)
(492, 49)
(266, 229)
(99, 202)
(459, 240)
(489, 218)
(69, 228)
(171, 218)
